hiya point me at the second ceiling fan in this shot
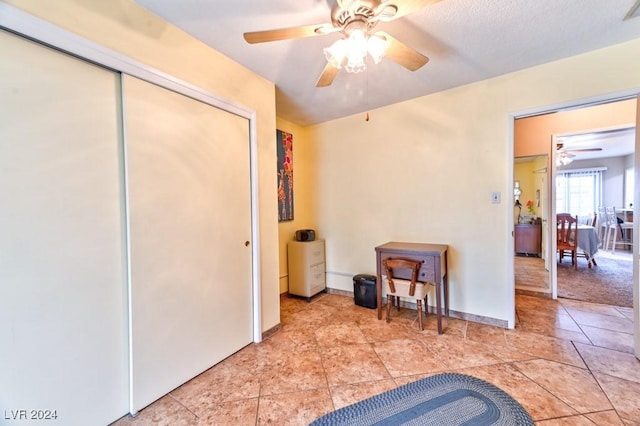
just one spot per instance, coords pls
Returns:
(565, 156)
(356, 20)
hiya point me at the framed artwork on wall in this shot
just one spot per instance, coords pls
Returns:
(285, 175)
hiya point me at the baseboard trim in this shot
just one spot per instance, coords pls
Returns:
(273, 330)
(541, 294)
(432, 310)
(340, 292)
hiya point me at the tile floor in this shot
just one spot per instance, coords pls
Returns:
(567, 362)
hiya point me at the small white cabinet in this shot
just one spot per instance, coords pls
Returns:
(306, 267)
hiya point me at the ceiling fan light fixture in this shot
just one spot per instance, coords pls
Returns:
(353, 50)
(337, 52)
(563, 159)
(357, 44)
(377, 47)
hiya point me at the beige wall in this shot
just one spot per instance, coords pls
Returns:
(524, 172)
(533, 134)
(421, 170)
(424, 170)
(127, 28)
(303, 184)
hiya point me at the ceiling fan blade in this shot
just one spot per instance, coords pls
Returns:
(289, 33)
(328, 75)
(583, 150)
(404, 55)
(406, 7)
(561, 148)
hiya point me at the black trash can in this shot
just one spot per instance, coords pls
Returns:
(364, 291)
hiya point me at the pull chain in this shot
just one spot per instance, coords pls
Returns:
(366, 95)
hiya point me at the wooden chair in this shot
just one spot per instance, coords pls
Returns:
(397, 285)
(567, 237)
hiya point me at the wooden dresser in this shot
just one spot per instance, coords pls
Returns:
(528, 239)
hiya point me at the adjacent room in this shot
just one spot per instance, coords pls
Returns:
(288, 212)
(594, 150)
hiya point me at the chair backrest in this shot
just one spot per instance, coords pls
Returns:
(594, 222)
(602, 216)
(586, 219)
(612, 219)
(396, 268)
(567, 236)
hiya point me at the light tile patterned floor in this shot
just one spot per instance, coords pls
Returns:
(567, 362)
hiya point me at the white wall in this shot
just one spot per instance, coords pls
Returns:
(423, 170)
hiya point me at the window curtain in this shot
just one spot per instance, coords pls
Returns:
(579, 192)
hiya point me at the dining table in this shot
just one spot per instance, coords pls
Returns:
(588, 242)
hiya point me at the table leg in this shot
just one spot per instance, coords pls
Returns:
(445, 285)
(439, 307)
(379, 295)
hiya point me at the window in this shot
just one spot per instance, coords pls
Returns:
(579, 192)
(628, 187)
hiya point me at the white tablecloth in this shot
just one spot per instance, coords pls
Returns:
(587, 240)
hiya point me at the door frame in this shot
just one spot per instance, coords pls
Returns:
(576, 104)
(554, 171)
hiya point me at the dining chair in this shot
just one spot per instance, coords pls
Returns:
(614, 227)
(602, 225)
(396, 285)
(567, 237)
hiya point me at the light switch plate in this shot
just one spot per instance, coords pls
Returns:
(495, 198)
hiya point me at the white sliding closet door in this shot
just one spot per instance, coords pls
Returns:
(190, 217)
(63, 298)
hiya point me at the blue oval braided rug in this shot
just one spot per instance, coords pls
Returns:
(446, 399)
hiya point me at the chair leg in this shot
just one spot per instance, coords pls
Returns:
(389, 301)
(419, 306)
(607, 239)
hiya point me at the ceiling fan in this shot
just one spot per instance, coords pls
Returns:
(356, 20)
(565, 156)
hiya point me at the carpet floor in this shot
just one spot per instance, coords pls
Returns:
(609, 283)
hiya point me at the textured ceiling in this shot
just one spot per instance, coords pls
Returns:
(613, 143)
(466, 41)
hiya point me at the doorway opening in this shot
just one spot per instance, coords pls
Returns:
(570, 148)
